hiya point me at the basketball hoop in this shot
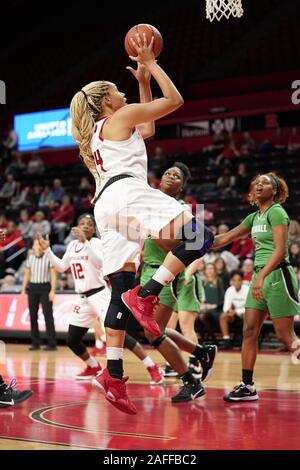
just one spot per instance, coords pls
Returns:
(216, 9)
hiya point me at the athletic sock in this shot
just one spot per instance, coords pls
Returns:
(2, 385)
(92, 362)
(160, 279)
(247, 376)
(199, 352)
(115, 362)
(148, 362)
(99, 343)
(187, 378)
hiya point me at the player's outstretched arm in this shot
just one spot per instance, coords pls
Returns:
(229, 237)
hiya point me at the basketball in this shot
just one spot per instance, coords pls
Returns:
(150, 31)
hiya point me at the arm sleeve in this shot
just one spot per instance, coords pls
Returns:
(227, 300)
(95, 252)
(60, 265)
(248, 221)
(278, 216)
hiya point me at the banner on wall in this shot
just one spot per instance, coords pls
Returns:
(14, 312)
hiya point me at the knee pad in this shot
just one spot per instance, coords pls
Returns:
(130, 342)
(197, 239)
(157, 341)
(117, 314)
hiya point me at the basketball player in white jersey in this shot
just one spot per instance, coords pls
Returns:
(110, 135)
(84, 257)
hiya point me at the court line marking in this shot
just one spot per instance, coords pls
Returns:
(38, 416)
(53, 443)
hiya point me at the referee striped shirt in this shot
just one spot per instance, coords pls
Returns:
(39, 269)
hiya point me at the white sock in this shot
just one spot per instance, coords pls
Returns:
(226, 337)
(163, 276)
(114, 354)
(148, 362)
(92, 362)
(99, 343)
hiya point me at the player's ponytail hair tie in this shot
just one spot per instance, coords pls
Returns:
(84, 94)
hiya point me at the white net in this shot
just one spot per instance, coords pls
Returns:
(216, 9)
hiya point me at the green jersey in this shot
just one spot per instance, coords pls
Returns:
(261, 226)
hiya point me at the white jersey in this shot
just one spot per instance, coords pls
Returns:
(236, 299)
(115, 157)
(85, 262)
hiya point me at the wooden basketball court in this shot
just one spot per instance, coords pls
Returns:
(64, 414)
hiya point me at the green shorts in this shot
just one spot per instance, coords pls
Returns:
(280, 294)
(189, 296)
(166, 296)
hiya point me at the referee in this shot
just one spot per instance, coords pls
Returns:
(39, 283)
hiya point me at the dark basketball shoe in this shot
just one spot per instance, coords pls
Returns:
(195, 367)
(168, 371)
(208, 362)
(10, 396)
(242, 392)
(189, 391)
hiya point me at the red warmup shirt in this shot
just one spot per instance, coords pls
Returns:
(247, 277)
(242, 248)
(64, 214)
(10, 237)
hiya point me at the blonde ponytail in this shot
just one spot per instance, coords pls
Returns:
(86, 109)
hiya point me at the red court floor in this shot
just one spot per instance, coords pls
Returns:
(66, 414)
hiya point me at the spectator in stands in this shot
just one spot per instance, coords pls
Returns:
(62, 283)
(191, 202)
(294, 140)
(63, 217)
(201, 269)
(58, 191)
(223, 228)
(242, 181)
(17, 167)
(35, 166)
(9, 284)
(279, 142)
(13, 247)
(8, 190)
(248, 270)
(22, 198)
(218, 143)
(294, 251)
(3, 222)
(248, 145)
(45, 198)
(229, 153)
(158, 162)
(152, 180)
(9, 144)
(221, 270)
(226, 182)
(243, 248)
(214, 295)
(26, 227)
(85, 204)
(294, 232)
(85, 187)
(40, 224)
(233, 308)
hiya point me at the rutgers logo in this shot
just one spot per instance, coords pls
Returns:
(99, 160)
(76, 309)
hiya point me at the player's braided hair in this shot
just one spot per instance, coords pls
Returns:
(86, 109)
(282, 190)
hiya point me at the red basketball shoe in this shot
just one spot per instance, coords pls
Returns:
(157, 377)
(142, 309)
(98, 351)
(115, 391)
(88, 373)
